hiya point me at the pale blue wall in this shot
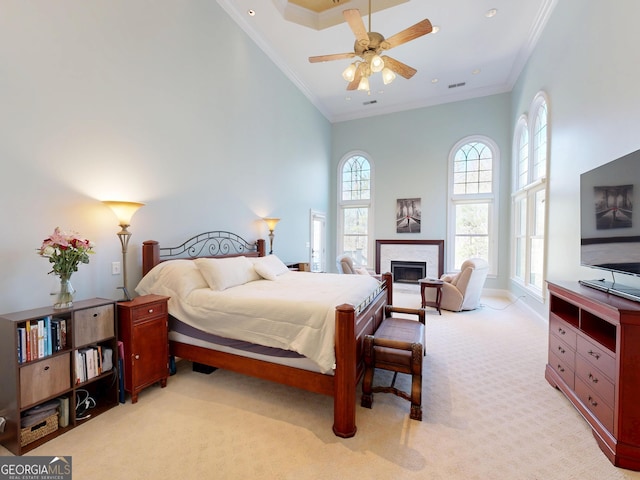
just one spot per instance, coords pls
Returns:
(410, 151)
(117, 100)
(586, 60)
(167, 103)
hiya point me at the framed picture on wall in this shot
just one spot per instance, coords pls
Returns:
(408, 215)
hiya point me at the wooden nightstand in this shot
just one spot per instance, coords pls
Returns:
(143, 329)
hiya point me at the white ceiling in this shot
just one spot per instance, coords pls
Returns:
(485, 54)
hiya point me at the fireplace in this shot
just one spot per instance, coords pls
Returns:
(408, 272)
(422, 252)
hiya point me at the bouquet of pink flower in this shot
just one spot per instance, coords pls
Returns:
(65, 251)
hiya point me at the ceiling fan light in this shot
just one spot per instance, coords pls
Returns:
(388, 76)
(377, 64)
(349, 73)
(364, 84)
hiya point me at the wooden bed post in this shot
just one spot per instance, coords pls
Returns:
(344, 393)
(150, 255)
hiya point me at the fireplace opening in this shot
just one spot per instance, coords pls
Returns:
(408, 272)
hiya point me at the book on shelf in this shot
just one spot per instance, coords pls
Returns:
(63, 409)
(40, 338)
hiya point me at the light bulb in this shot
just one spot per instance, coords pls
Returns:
(364, 84)
(377, 64)
(388, 76)
(349, 73)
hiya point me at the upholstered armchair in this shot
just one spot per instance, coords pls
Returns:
(345, 265)
(462, 291)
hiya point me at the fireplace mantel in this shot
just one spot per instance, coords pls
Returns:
(431, 251)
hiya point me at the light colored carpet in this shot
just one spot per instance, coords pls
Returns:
(488, 414)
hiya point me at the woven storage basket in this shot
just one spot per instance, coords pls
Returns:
(39, 430)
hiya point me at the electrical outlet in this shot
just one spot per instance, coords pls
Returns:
(115, 268)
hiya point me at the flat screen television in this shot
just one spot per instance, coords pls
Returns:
(609, 230)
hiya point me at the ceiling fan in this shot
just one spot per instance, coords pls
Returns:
(368, 46)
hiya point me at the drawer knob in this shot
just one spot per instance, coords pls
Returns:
(592, 401)
(137, 357)
(596, 355)
(560, 349)
(560, 368)
(592, 378)
(46, 367)
(562, 332)
(151, 310)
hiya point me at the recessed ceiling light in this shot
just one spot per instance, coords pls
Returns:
(252, 13)
(491, 13)
(348, 99)
(434, 80)
(476, 71)
(436, 29)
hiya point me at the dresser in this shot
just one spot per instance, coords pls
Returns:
(594, 359)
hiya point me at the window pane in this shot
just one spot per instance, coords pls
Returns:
(537, 255)
(539, 216)
(472, 232)
(523, 158)
(356, 179)
(540, 143)
(472, 166)
(355, 239)
(520, 258)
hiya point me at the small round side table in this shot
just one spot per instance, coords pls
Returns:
(431, 283)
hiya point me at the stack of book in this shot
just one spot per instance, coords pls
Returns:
(39, 338)
(89, 362)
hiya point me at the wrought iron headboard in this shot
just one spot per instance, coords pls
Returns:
(217, 243)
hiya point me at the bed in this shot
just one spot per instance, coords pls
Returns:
(296, 366)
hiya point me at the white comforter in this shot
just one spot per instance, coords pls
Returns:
(295, 312)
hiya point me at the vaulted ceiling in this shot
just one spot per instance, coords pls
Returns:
(479, 49)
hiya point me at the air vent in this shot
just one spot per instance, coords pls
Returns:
(370, 102)
(456, 85)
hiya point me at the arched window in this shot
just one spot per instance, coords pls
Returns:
(473, 192)
(354, 208)
(529, 197)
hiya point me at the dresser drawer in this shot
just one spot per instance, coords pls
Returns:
(598, 357)
(595, 379)
(563, 369)
(595, 404)
(563, 351)
(93, 325)
(562, 330)
(148, 311)
(44, 378)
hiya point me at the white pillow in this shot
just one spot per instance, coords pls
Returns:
(173, 278)
(223, 273)
(270, 267)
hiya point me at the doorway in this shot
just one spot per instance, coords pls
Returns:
(318, 260)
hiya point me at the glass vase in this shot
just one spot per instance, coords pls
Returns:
(64, 297)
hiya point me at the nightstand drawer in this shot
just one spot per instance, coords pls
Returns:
(150, 310)
(93, 325)
(44, 379)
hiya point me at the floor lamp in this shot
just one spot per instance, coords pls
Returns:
(124, 211)
(271, 225)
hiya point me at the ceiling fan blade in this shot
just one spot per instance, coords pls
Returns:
(356, 79)
(356, 24)
(328, 58)
(408, 34)
(398, 67)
